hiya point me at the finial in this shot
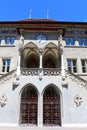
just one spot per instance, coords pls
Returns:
(30, 13)
(47, 13)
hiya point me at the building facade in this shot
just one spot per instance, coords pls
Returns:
(43, 73)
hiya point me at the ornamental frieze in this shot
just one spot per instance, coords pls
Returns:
(8, 31)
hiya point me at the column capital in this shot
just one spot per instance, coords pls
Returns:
(41, 50)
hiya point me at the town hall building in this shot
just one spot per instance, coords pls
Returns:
(43, 73)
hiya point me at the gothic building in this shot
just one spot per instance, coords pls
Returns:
(43, 73)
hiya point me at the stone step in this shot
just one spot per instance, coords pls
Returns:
(42, 128)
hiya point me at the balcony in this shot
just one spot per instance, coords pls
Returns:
(43, 71)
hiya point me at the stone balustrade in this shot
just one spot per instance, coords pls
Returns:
(44, 71)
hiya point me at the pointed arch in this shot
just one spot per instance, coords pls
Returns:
(51, 106)
(51, 56)
(29, 105)
(30, 52)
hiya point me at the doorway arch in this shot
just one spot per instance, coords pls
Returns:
(29, 106)
(51, 107)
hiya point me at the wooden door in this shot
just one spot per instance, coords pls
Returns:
(29, 100)
(51, 107)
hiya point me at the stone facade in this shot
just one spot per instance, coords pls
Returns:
(43, 73)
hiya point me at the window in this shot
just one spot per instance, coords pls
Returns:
(6, 65)
(10, 40)
(84, 66)
(71, 65)
(82, 41)
(0, 39)
(69, 41)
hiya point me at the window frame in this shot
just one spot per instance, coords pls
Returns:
(83, 41)
(72, 68)
(9, 40)
(70, 40)
(6, 62)
(84, 67)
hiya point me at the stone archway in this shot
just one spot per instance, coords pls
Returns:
(30, 56)
(51, 107)
(29, 106)
(51, 56)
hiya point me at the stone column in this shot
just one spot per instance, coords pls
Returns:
(40, 111)
(21, 43)
(40, 65)
(79, 67)
(18, 65)
(40, 60)
(61, 47)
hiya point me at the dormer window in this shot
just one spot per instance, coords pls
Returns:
(82, 41)
(69, 41)
(10, 40)
(0, 40)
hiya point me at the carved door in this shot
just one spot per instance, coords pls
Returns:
(29, 101)
(51, 107)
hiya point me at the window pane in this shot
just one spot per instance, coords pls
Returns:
(74, 62)
(84, 41)
(74, 69)
(69, 62)
(83, 62)
(4, 64)
(80, 41)
(7, 40)
(8, 61)
(72, 41)
(4, 61)
(67, 40)
(12, 40)
(0, 39)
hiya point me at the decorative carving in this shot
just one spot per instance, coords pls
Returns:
(15, 85)
(21, 42)
(78, 100)
(3, 100)
(77, 79)
(60, 43)
(7, 76)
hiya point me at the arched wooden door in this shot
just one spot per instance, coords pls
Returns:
(29, 103)
(51, 107)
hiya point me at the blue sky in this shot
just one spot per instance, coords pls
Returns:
(61, 10)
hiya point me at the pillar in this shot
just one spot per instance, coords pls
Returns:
(40, 65)
(62, 65)
(18, 65)
(61, 47)
(40, 111)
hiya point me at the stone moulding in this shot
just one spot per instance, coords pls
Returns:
(3, 100)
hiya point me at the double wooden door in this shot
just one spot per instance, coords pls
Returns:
(51, 107)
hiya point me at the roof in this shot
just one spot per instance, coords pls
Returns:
(37, 19)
